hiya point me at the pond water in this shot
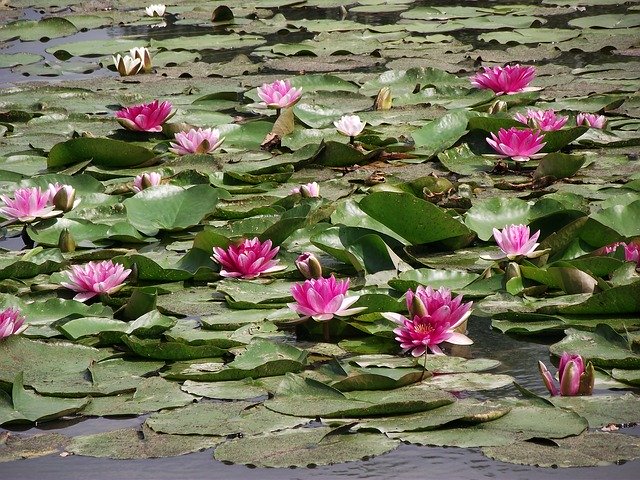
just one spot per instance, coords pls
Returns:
(518, 355)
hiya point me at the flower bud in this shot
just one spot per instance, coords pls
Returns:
(513, 271)
(309, 266)
(498, 106)
(66, 242)
(383, 99)
(418, 307)
(64, 198)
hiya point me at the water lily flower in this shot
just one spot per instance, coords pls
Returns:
(155, 10)
(309, 190)
(146, 117)
(11, 322)
(28, 204)
(196, 141)
(323, 298)
(632, 253)
(545, 120)
(146, 180)
(592, 120)
(350, 125)
(248, 259)
(95, 278)
(63, 197)
(433, 319)
(575, 378)
(309, 265)
(279, 94)
(127, 65)
(518, 145)
(515, 241)
(504, 80)
(143, 54)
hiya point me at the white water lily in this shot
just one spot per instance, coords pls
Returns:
(350, 125)
(155, 10)
(127, 65)
(142, 53)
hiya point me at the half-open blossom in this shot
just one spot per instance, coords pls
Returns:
(196, 141)
(248, 259)
(309, 265)
(127, 65)
(516, 144)
(322, 298)
(515, 241)
(350, 125)
(592, 120)
(433, 319)
(11, 322)
(146, 180)
(94, 278)
(504, 80)
(155, 10)
(143, 54)
(545, 120)
(575, 378)
(279, 94)
(632, 253)
(27, 204)
(63, 197)
(146, 117)
(308, 190)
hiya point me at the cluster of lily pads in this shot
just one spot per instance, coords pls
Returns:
(259, 295)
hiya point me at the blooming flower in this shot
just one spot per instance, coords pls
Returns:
(309, 190)
(11, 322)
(515, 241)
(63, 197)
(545, 120)
(248, 259)
(196, 141)
(309, 265)
(95, 278)
(591, 120)
(142, 53)
(28, 204)
(279, 94)
(127, 65)
(433, 318)
(155, 10)
(322, 298)
(146, 180)
(146, 117)
(350, 125)
(504, 80)
(575, 378)
(518, 145)
(632, 253)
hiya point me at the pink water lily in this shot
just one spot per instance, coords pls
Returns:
(279, 94)
(632, 253)
(28, 204)
(350, 125)
(433, 319)
(545, 120)
(309, 190)
(146, 117)
(196, 141)
(516, 144)
(146, 180)
(248, 259)
(11, 322)
(575, 378)
(592, 120)
(94, 278)
(515, 241)
(504, 80)
(323, 298)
